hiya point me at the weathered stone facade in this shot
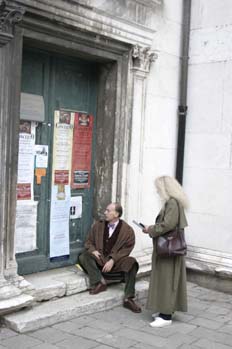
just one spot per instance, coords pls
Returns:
(207, 171)
(138, 101)
(86, 29)
(11, 297)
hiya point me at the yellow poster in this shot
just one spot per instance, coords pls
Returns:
(62, 147)
(61, 180)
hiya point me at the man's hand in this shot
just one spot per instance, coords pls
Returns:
(108, 266)
(97, 254)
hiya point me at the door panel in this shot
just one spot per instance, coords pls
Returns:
(65, 83)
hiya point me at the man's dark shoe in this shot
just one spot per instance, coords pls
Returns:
(129, 303)
(99, 288)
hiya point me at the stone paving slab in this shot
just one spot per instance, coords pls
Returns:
(119, 328)
(20, 342)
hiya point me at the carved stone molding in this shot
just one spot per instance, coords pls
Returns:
(142, 58)
(9, 16)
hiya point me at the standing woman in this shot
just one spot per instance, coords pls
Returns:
(167, 289)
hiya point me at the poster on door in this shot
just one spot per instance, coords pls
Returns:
(72, 151)
(76, 207)
(82, 150)
(26, 158)
(25, 226)
(61, 178)
(62, 147)
(59, 221)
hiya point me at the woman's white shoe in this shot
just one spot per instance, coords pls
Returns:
(159, 322)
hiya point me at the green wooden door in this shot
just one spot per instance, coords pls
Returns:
(65, 83)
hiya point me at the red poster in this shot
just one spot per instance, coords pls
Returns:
(82, 150)
(23, 191)
(61, 177)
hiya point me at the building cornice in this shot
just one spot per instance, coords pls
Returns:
(89, 19)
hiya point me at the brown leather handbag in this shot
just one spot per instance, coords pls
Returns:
(172, 243)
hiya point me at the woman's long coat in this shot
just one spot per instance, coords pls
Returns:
(167, 290)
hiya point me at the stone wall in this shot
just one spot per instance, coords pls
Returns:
(146, 114)
(208, 166)
(161, 120)
(207, 163)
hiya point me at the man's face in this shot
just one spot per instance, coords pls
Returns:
(110, 213)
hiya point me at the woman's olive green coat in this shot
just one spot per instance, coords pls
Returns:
(167, 290)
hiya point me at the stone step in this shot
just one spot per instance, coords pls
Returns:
(12, 298)
(57, 283)
(66, 308)
(68, 281)
(15, 303)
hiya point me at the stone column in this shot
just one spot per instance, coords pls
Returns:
(11, 296)
(141, 61)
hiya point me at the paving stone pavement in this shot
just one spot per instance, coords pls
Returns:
(207, 324)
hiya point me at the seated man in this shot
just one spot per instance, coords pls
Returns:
(107, 249)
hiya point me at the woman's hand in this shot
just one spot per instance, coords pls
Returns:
(145, 229)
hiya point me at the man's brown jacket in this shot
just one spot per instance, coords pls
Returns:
(119, 252)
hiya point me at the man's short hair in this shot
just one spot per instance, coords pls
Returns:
(118, 208)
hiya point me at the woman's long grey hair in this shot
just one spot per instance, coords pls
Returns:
(169, 187)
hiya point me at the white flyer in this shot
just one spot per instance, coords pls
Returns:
(76, 207)
(41, 156)
(59, 220)
(25, 226)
